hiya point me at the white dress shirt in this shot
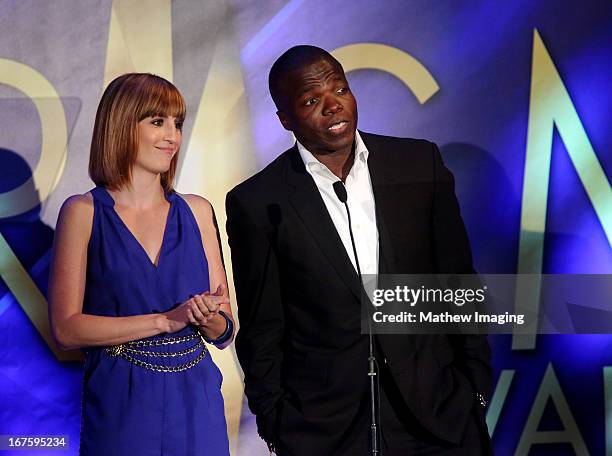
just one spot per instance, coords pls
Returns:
(360, 201)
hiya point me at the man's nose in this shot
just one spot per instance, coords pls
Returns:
(332, 106)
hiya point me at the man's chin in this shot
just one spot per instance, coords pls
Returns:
(347, 134)
(343, 142)
(329, 145)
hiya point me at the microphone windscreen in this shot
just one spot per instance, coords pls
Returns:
(340, 190)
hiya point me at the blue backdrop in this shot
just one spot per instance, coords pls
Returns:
(488, 59)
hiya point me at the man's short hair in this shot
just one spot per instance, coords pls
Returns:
(293, 59)
(126, 101)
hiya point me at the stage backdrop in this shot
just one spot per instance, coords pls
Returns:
(516, 94)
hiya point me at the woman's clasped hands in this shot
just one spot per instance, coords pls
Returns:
(197, 310)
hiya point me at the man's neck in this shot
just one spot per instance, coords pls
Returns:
(338, 162)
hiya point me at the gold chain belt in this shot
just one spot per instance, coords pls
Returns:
(126, 351)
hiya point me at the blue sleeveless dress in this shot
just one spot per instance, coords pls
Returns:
(136, 402)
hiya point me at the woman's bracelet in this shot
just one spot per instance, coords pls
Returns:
(227, 334)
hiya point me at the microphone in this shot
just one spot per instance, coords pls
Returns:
(340, 191)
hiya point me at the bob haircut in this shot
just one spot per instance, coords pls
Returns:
(126, 101)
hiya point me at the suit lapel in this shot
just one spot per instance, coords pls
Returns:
(310, 208)
(382, 180)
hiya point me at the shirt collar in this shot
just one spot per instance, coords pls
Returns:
(311, 163)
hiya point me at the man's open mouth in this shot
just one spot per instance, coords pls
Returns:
(337, 125)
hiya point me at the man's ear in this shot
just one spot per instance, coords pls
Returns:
(284, 120)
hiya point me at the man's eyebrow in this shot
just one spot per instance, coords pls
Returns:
(308, 87)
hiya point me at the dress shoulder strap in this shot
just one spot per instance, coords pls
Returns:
(101, 195)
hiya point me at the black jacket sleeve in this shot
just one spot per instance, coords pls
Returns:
(260, 313)
(453, 255)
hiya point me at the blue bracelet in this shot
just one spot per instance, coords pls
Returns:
(227, 334)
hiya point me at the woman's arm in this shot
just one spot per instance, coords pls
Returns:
(215, 324)
(71, 328)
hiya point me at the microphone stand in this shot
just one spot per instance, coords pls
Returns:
(340, 190)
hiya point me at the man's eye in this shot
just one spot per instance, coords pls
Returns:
(310, 101)
(342, 90)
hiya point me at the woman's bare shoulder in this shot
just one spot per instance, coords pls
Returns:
(201, 208)
(79, 204)
(77, 212)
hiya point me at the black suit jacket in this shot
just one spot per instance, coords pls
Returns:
(300, 343)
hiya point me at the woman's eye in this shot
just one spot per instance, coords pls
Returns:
(179, 126)
(157, 122)
(310, 101)
(342, 90)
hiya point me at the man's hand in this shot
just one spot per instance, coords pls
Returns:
(266, 428)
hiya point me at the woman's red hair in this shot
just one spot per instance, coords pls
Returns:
(126, 101)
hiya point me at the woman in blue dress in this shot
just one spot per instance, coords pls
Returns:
(137, 281)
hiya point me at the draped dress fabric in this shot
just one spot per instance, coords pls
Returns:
(128, 409)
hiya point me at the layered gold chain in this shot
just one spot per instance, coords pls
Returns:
(125, 351)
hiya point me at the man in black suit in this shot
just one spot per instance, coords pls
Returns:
(300, 343)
